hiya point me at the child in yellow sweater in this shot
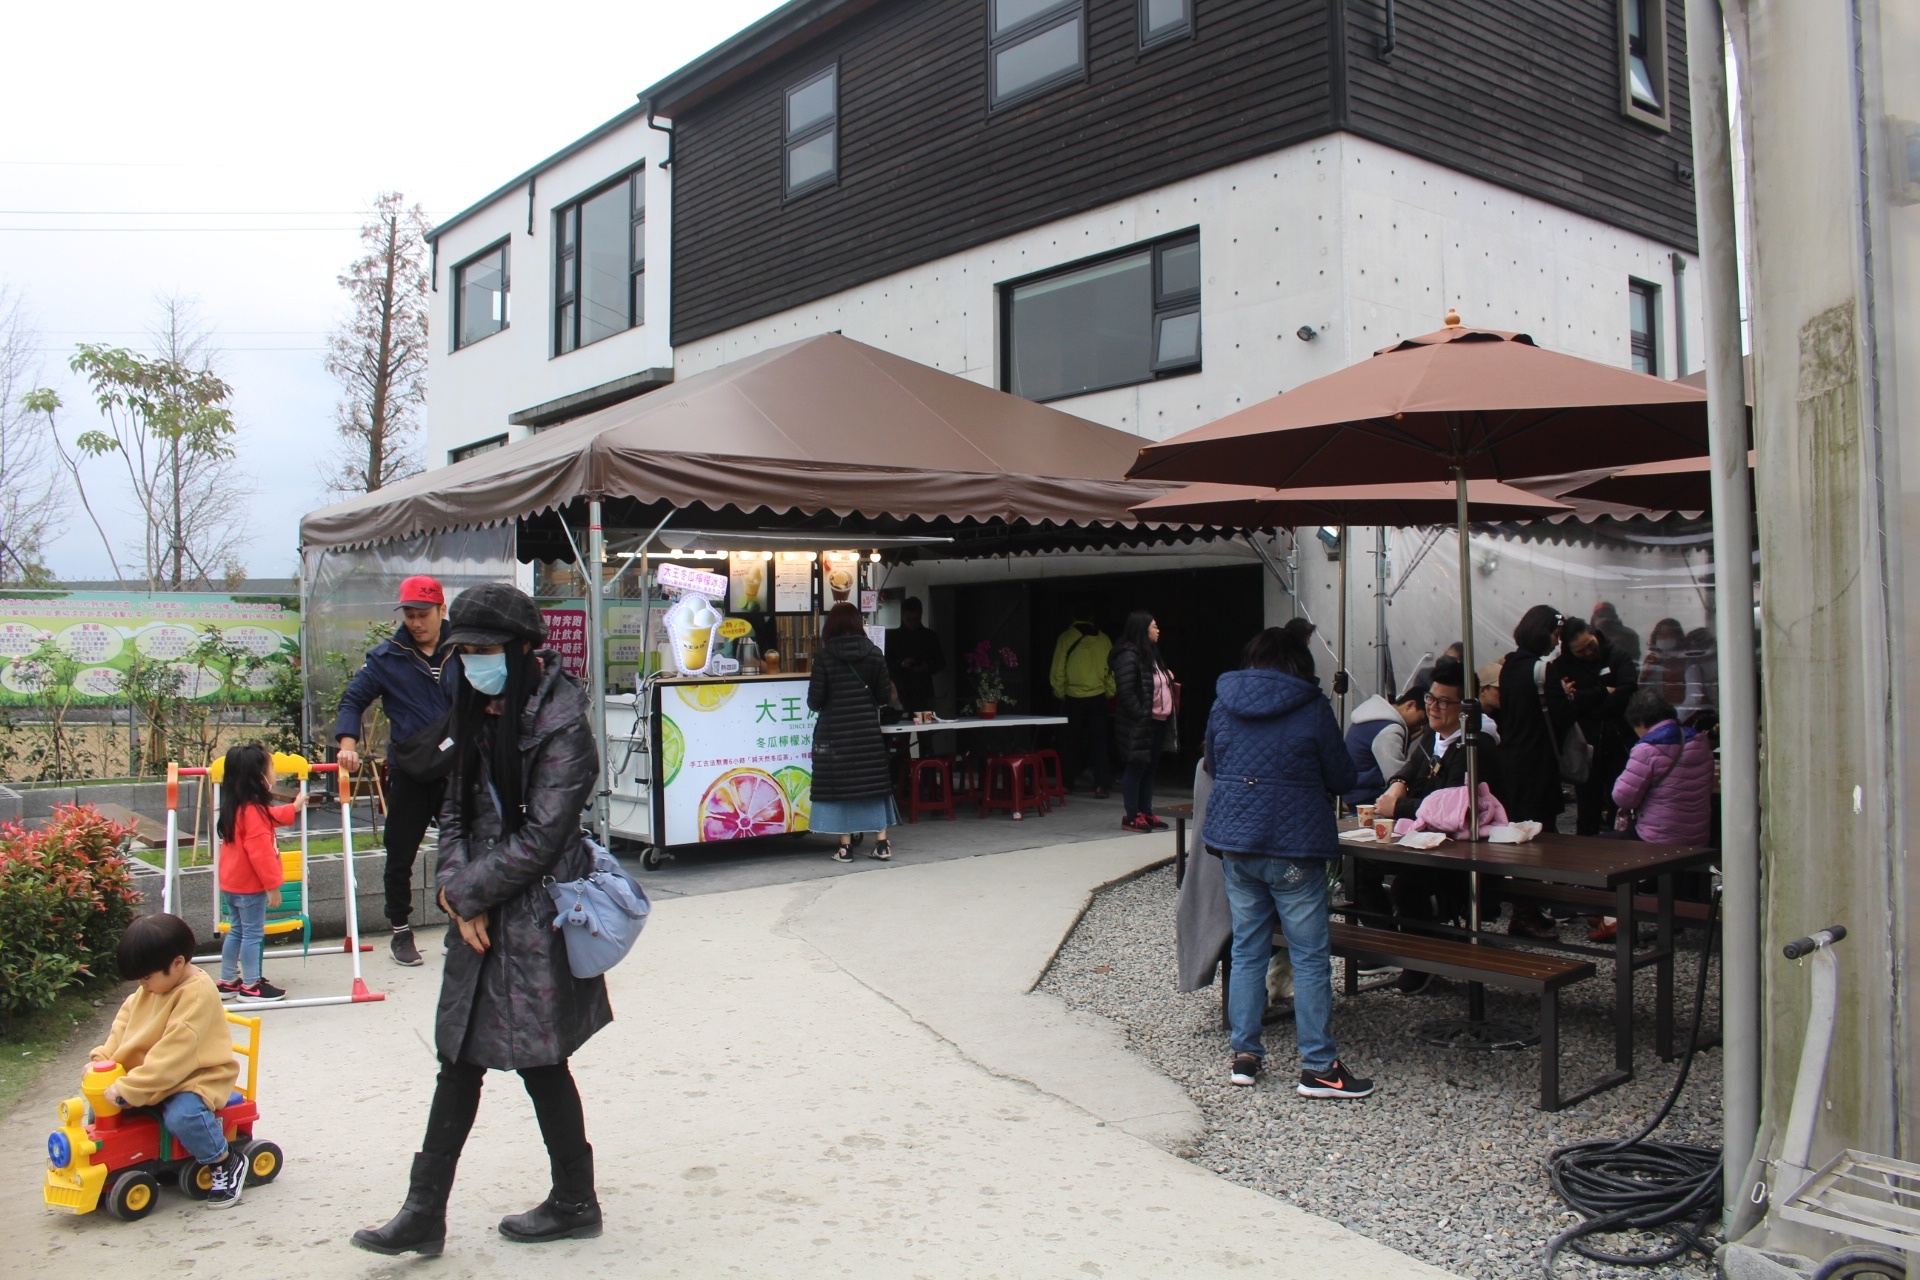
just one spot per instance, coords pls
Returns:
(171, 1037)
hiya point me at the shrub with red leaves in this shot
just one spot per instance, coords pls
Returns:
(66, 895)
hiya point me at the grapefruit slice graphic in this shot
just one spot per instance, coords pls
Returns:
(743, 803)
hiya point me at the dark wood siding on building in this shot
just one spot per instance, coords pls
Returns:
(1520, 92)
(1526, 94)
(926, 171)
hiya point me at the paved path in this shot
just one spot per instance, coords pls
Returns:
(841, 1078)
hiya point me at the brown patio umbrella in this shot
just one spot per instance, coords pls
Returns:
(1461, 404)
(1685, 485)
(1239, 506)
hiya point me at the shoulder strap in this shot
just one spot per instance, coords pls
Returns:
(861, 681)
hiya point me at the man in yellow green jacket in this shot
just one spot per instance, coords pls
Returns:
(1083, 682)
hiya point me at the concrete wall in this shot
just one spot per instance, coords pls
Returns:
(1363, 243)
(476, 387)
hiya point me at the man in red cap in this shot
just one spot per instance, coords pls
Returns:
(410, 676)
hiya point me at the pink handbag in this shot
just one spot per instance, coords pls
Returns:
(1445, 811)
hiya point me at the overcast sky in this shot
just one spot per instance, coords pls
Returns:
(222, 150)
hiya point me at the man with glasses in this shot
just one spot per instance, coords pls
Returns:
(1438, 760)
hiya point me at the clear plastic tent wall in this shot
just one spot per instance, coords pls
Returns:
(349, 590)
(1660, 584)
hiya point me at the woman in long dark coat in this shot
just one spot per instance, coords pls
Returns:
(1143, 704)
(526, 767)
(1529, 776)
(852, 781)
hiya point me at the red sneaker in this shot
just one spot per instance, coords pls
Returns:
(1137, 824)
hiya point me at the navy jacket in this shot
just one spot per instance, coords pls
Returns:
(415, 690)
(1277, 760)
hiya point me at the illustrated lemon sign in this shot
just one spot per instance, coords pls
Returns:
(736, 760)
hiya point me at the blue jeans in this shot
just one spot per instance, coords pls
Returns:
(193, 1124)
(246, 937)
(1292, 893)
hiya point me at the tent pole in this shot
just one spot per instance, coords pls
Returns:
(1383, 660)
(1733, 599)
(1340, 676)
(597, 656)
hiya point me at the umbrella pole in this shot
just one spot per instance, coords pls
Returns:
(1340, 676)
(1470, 735)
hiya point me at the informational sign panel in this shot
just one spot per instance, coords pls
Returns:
(79, 645)
(735, 759)
(680, 577)
(567, 636)
(792, 583)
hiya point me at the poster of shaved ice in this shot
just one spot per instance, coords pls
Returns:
(735, 759)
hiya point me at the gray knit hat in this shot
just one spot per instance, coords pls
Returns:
(495, 613)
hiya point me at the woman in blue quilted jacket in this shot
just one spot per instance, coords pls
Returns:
(1278, 760)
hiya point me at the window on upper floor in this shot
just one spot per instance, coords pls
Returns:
(1643, 320)
(480, 296)
(813, 132)
(1034, 46)
(1113, 321)
(475, 449)
(600, 263)
(1643, 61)
(1162, 21)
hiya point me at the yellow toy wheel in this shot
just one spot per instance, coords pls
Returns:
(196, 1180)
(263, 1163)
(132, 1195)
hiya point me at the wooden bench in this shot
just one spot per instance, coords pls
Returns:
(1495, 966)
(1181, 815)
(1645, 905)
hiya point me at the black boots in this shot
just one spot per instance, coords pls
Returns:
(570, 1213)
(421, 1224)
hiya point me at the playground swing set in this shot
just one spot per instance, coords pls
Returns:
(293, 915)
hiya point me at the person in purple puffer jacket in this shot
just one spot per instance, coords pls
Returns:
(1668, 781)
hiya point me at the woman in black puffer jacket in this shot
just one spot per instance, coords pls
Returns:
(852, 782)
(525, 768)
(1143, 692)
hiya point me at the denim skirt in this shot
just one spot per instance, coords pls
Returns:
(852, 817)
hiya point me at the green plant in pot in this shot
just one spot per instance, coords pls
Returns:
(987, 666)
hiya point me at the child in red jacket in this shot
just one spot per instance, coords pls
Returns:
(250, 873)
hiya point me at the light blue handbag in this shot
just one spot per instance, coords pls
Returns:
(601, 914)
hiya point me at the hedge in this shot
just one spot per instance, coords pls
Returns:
(66, 894)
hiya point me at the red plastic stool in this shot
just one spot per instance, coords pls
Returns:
(936, 770)
(969, 774)
(1051, 784)
(1013, 785)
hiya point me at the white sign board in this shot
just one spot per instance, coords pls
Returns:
(736, 760)
(678, 577)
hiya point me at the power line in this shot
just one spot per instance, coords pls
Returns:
(144, 230)
(185, 213)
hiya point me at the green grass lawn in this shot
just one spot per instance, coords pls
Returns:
(37, 1038)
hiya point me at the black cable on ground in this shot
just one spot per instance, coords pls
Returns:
(1634, 1185)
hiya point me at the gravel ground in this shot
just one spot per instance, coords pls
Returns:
(1446, 1161)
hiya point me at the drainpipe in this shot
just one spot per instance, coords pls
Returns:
(1733, 595)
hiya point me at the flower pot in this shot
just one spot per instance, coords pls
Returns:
(988, 710)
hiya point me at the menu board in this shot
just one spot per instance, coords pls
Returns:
(840, 577)
(735, 760)
(792, 583)
(748, 583)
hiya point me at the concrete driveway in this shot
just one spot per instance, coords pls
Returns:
(848, 1077)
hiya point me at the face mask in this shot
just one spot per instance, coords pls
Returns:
(486, 672)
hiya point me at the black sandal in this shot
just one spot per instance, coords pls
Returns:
(882, 851)
(843, 854)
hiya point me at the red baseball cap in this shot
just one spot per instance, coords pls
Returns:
(421, 592)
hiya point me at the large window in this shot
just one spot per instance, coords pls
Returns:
(1034, 46)
(1164, 20)
(1643, 61)
(1126, 318)
(600, 264)
(480, 296)
(1643, 319)
(813, 133)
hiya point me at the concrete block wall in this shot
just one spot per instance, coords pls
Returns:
(326, 891)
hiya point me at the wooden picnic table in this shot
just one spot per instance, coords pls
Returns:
(1593, 863)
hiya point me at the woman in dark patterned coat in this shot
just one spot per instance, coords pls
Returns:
(526, 769)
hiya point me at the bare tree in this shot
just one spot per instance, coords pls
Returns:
(33, 495)
(169, 422)
(379, 354)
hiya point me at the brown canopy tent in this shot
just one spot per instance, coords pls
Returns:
(825, 432)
